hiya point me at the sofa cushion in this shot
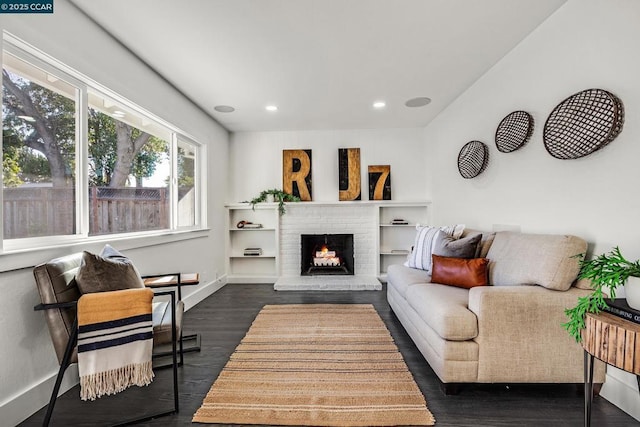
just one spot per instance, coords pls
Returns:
(401, 277)
(534, 259)
(161, 314)
(462, 272)
(444, 308)
(420, 256)
(448, 246)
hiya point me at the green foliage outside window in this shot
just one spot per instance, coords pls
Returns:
(39, 132)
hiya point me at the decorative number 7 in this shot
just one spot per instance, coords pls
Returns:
(380, 189)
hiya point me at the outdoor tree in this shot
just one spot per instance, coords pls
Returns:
(42, 125)
(108, 145)
(130, 142)
(102, 155)
(186, 169)
(43, 120)
(10, 165)
(144, 164)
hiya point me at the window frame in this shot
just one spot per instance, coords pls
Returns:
(198, 181)
(84, 85)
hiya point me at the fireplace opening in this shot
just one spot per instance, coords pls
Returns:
(326, 254)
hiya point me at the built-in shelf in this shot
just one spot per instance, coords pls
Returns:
(266, 268)
(397, 236)
(253, 268)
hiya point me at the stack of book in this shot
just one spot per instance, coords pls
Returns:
(399, 221)
(620, 308)
(400, 251)
(252, 251)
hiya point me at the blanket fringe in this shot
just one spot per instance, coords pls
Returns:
(111, 382)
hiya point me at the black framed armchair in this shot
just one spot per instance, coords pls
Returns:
(59, 293)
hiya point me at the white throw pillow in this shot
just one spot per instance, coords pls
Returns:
(420, 256)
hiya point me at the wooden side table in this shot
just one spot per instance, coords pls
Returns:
(177, 280)
(170, 280)
(613, 340)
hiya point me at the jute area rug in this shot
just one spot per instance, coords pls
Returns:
(316, 365)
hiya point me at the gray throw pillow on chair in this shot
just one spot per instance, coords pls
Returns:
(109, 271)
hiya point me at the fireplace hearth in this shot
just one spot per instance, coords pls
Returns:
(326, 254)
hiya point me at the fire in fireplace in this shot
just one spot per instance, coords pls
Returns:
(328, 254)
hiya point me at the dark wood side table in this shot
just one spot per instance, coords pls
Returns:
(177, 280)
(613, 340)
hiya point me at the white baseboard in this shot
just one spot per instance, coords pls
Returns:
(202, 291)
(621, 390)
(17, 409)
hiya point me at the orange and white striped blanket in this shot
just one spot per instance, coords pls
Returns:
(115, 341)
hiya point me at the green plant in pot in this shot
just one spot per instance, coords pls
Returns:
(606, 272)
(277, 195)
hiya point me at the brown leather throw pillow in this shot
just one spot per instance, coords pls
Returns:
(464, 273)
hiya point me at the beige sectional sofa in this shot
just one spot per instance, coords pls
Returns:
(507, 332)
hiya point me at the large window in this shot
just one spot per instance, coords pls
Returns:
(81, 161)
(39, 140)
(129, 169)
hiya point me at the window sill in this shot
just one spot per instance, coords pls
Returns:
(29, 258)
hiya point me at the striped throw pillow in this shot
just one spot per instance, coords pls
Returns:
(420, 256)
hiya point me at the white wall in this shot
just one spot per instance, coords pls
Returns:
(256, 160)
(586, 44)
(29, 363)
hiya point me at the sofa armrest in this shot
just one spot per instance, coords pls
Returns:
(521, 338)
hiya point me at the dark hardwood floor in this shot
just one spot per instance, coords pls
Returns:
(223, 319)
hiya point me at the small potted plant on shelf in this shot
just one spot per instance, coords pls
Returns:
(606, 272)
(276, 195)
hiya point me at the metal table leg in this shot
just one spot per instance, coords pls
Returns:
(588, 387)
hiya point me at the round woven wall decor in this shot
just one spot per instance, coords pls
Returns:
(473, 159)
(583, 123)
(514, 131)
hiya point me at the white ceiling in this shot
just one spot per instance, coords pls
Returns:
(322, 62)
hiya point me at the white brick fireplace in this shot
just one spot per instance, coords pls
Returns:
(355, 218)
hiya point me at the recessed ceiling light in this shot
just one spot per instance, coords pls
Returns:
(379, 104)
(420, 101)
(224, 109)
(271, 108)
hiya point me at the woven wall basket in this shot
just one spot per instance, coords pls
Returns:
(514, 131)
(473, 159)
(583, 123)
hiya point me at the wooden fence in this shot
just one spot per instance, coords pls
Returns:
(47, 211)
